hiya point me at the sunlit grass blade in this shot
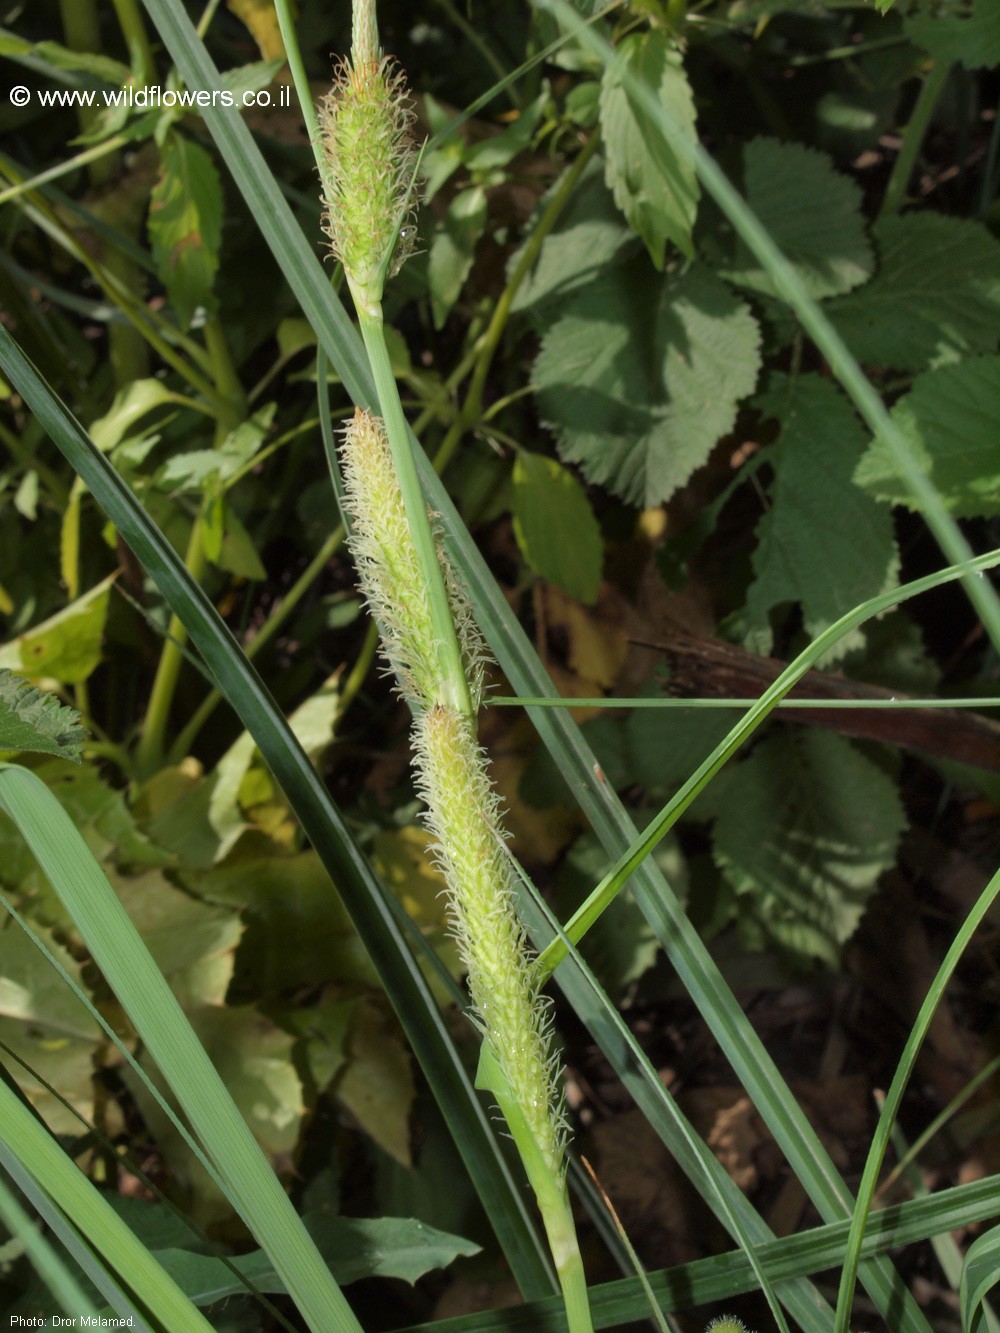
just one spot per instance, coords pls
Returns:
(880, 1139)
(364, 895)
(94, 1217)
(87, 1260)
(980, 1274)
(119, 952)
(723, 1276)
(42, 1255)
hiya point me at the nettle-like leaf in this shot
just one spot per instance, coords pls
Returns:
(34, 720)
(813, 215)
(555, 526)
(823, 542)
(935, 297)
(656, 191)
(640, 378)
(950, 418)
(805, 827)
(963, 30)
(590, 236)
(185, 227)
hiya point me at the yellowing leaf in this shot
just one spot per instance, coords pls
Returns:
(260, 17)
(67, 646)
(377, 1083)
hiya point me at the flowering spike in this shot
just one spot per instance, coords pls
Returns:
(367, 161)
(464, 817)
(390, 572)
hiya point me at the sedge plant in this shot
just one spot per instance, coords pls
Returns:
(368, 164)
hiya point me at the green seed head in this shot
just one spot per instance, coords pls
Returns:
(463, 816)
(727, 1324)
(389, 570)
(367, 162)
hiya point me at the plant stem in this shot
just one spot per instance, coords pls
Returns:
(293, 55)
(454, 689)
(913, 137)
(149, 752)
(136, 39)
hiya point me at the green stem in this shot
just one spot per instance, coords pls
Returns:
(233, 402)
(140, 52)
(149, 752)
(286, 26)
(453, 689)
(913, 137)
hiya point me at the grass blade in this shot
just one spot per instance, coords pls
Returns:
(119, 952)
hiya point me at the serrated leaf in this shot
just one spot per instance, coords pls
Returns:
(962, 30)
(555, 526)
(656, 191)
(950, 418)
(354, 1247)
(823, 542)
(813, 215)
(590, 235)
(640, 380)
(805, 827)
(185, 227)
(451, 255)
(935, 297)
(33, 720)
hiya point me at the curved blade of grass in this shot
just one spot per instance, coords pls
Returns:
(751, 1062)
(88, 1261)
(880, 1140)
(704, 1281)
(980, 1274)
(364, 895)
(790, 288)
(127, 966)
(42, 1256)
(628, 863)
(94, 1217)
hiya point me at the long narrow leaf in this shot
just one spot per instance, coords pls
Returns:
(128, 967)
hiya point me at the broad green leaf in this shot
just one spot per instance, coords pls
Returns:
(451, 254)
(67, 646)
(805, 827)
(202, 469)
(963, 30)
(61, 57)
(185, 227)
(45, 1025)
(590, 236)
(654, 188)
(935, 297)
(499, 149)
(980, 1274)
(26, 496)
(822, 541)
(237, 553)
(376, 1084)
(555, 526)
(640, 379)
(34, 720)
(812, 212)
(950, 418)
(355, 1248)
(130, 405)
